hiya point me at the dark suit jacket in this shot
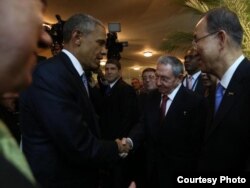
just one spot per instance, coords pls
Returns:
(227, 142)
(174, 145)
(60, 129)
(119, 111)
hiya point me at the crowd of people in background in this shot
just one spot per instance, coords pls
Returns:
(190, 117)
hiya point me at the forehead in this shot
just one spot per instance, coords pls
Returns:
(110, 65)
(99, 32)
(135, 80)
(148, 73)
(162, 69)
(201, 26)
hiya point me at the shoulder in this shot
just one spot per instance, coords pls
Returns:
(125, 86)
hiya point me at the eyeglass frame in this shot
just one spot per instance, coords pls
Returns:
(195, 41)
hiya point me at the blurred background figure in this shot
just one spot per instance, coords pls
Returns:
(209, 82)
(148, 80)
(136, 84)
(192, 80)
(56, 48)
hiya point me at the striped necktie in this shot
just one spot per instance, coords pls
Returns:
(85, 82)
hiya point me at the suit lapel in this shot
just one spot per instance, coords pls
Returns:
(67, 63)
(230, 97)
(199, 87)
(176, 105)
(79, 84)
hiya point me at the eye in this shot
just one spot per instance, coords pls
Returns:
(101, 42)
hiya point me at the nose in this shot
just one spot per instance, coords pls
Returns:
(158, 81)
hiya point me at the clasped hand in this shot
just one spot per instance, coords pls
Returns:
(123, 146)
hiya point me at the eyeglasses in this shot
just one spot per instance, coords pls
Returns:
(196, 40)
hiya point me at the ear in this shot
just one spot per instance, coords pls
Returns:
(76, 37)
(222, 35)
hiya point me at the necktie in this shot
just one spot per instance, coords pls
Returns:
(218, 96)
(108, 90)
(189, 82)
(10, 150)
(163, 107)
(85, 82)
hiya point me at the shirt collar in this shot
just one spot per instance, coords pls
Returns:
(75, 62)
(196, 75)
(171, 96)
(113, 83)
(229, 73)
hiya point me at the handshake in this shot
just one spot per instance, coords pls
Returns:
(124, 146)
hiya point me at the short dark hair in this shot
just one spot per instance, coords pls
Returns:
(176, 64)
(148, 70)
(115, 62)
(82, 22)
(224, 19)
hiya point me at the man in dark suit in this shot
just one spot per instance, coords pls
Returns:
(218, 39)
(172, 125)
(118, 116)
(58, 122)
(193, 80)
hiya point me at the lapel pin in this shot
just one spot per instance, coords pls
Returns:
(230, 93)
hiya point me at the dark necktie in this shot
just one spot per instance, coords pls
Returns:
(163, 107)
(218, 96)
(85, 82)
(108, 90)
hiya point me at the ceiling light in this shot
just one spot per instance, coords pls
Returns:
(103, 62)
(147, 54)
(136, 68)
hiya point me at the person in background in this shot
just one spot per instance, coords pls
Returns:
(135, 83)
(148, 85)
(16, 68)
(139, 159)
(148, 80)
(118, 116)
(192, 80)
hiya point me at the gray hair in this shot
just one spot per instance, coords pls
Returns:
(81, 22)
(176, 64)
(225, 19)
